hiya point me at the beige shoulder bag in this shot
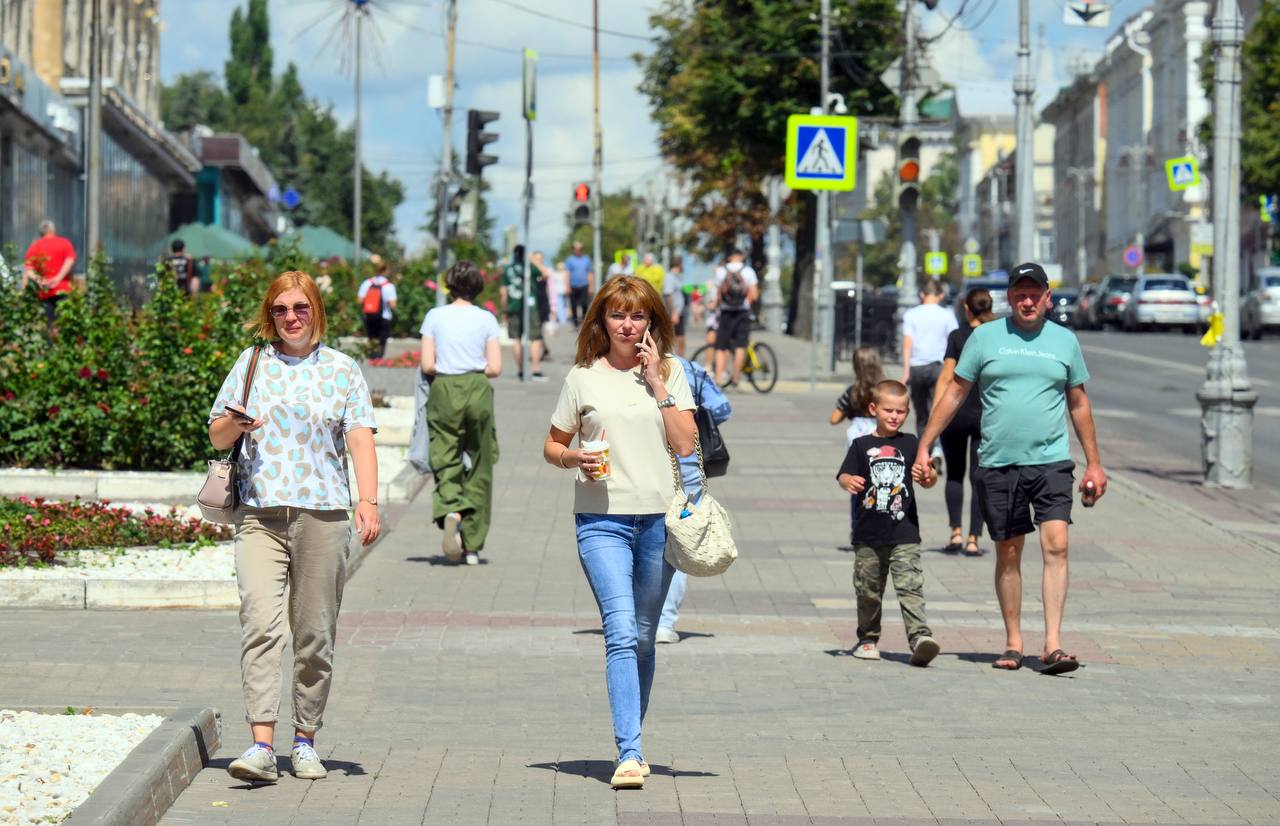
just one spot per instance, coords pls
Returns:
(699, 537)
(219, 497)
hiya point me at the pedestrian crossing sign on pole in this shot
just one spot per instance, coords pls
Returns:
(971, 265)
(935, 263)
(822, 152)
(1183, 173)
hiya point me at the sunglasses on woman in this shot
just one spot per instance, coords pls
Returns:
(301, 310)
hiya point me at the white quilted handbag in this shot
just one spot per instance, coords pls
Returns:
(699, 537)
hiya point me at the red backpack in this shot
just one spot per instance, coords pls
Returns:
(373, 300)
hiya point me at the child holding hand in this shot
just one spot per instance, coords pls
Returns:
(878, 472)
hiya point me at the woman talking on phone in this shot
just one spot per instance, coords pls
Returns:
(306, 405)
(628, 402)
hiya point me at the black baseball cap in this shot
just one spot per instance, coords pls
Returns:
(1029, 270)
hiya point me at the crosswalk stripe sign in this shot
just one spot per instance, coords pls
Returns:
(1183, 173)
(822, 152)
(972, 265)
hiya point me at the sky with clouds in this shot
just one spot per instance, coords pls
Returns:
(403, 136)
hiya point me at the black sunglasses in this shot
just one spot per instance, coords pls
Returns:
(302, 310)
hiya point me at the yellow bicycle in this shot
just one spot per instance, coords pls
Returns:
(760, 368)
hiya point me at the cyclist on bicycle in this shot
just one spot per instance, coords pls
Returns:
(736, 287)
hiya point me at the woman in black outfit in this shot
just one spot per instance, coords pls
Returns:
(960, 439)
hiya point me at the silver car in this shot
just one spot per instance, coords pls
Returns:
(1162, 300)
(1261, 308)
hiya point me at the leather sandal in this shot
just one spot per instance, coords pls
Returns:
(628, 775)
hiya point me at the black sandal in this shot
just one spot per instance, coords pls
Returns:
(1059, 662)
(1013, 656)
(976, 550)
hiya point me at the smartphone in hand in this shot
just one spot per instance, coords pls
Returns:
(239, 414)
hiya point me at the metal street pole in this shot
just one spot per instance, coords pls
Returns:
(93, 149)
(1227, 398)
(821, 332)
(772, 298)
(597, 197)
(908, 293)
(857, 298)
(530, 111)
(1081, 177)
(357, 211)
(446, 155)
(1024, 87)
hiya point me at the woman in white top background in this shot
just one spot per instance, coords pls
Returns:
(460, 353)
(307, 404)
(627, 390)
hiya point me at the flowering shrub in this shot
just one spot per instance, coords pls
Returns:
(407, 359)
(34, 530)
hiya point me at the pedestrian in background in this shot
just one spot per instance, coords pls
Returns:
(461, 351)
(652, 272)
(307, 405)
(511, 298)
(377, 297)
(962, 436)
(558, 293)
(324, 280)
(628, 402)
(581, 271)
(854, 406)
(676, 301)
(48, 263)
(705, 394)
(622, 267)
(925, 328)
(182, 267)
(736, 289)
(878, 473)
(1030, 377)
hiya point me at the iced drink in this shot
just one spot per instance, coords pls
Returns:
(600, 446)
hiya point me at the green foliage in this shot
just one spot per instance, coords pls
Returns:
(1260, 141)
(936, 210)
(299, 139)
(33, 531)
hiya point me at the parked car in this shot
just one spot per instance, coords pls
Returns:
(1115, 298)
(1088, 308)
(1063, 308)
(1261, 308)
(1162, 300)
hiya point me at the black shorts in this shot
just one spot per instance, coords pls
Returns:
(733, 330)
(1011, 493)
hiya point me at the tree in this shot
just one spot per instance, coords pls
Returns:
(248, 70)
(195, 98)
(723, 78)
(1260, 104)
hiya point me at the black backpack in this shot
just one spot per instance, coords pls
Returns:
(734, 289)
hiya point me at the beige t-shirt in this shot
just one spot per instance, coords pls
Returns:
(600, 400)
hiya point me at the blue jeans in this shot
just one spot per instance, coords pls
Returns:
(622, 558)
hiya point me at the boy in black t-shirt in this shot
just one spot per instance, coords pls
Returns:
(878, 471)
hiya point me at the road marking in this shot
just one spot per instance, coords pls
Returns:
(1194, 412)
(1157, 362)
(1116, 414)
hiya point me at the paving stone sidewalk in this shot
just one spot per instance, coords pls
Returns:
(476, 695)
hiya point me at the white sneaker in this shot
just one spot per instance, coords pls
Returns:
(924, 650)
(257, 765)
(866, 650)
(451, 544)
(666, 635)
(306, 763)
(472, 558)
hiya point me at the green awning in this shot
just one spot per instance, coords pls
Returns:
(321, 242)
(210, 240)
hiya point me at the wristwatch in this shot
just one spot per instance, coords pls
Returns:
(372, 500)
(669, 401)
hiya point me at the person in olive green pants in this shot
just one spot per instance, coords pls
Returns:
(461, 352)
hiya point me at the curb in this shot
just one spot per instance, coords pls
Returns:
(143, 787)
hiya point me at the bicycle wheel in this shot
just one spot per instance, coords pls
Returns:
(764, 377)
(699, 356)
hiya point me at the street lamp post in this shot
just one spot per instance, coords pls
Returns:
(1024, 88)
(1227, 398)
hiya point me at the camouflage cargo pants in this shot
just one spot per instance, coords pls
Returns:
(871, 569)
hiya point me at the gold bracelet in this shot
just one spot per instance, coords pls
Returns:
(560, 459)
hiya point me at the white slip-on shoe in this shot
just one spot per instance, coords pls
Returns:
(451, 544)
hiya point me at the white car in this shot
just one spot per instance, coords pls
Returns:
(1162, 300)
(1261, 307)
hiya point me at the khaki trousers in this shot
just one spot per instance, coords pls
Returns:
(305, 550)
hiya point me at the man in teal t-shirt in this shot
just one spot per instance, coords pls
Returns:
(1030, 376)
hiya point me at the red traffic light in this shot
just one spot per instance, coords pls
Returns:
(909, 171)
(582, 193)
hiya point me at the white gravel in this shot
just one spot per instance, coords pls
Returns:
(216, 562)
(49, 763)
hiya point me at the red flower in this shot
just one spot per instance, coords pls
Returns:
(104, 407)
(8, 395)
(53, 411)
(186, 351)
(144, 401)
(102, 374)
(85, 372)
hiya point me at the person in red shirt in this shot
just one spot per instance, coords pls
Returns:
(49, 261)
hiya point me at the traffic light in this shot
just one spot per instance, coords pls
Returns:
(477, 138)
(454, 207)
(582, 197)
(908, 172)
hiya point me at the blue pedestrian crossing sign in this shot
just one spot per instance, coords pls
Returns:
(822, 152)
(1183, 173)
